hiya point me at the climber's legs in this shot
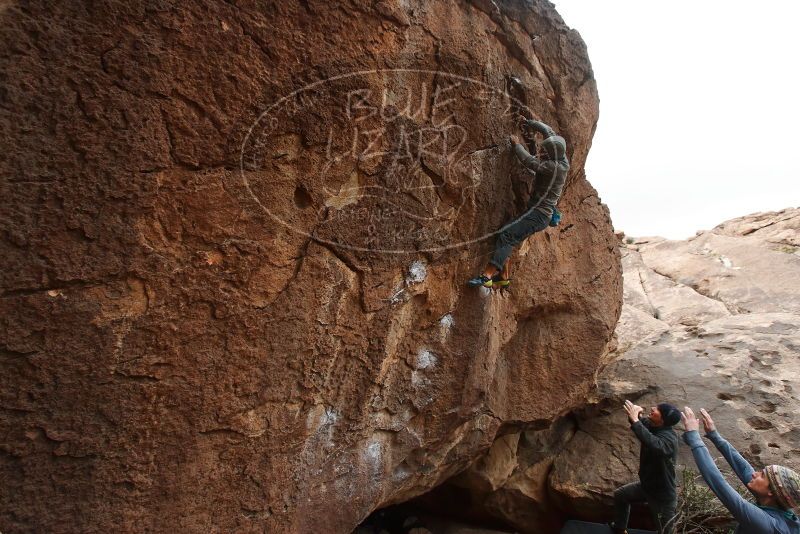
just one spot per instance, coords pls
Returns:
(531, 222)
(514, 233)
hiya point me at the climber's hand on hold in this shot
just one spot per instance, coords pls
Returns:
(513, 140)
(527, 128)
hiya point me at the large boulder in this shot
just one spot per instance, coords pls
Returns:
(235, 239)
(711, 322)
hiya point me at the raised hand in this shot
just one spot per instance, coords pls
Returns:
(690, 421)
(633, 411)
(708, 423)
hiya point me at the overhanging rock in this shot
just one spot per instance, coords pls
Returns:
(235, 240)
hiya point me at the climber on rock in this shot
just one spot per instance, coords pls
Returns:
(776, 488)
(657, 456)
(550, 167)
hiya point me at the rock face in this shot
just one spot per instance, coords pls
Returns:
(235, 239)
(712, 322)
(512, 481)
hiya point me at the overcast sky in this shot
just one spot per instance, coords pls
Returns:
(699, 109)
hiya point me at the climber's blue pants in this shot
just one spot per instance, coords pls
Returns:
(515, 232)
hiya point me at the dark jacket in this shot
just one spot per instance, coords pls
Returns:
(551, 173)
(657, 459)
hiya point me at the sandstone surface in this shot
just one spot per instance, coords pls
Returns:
(223, 309)
(710, 322)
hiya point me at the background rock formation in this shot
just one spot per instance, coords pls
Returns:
(175, 358)
(711, 322)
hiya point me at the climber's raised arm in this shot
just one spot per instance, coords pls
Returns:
(538, 127)
(526, 158)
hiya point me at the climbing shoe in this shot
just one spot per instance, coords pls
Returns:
(481, 280)
(498, 282)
